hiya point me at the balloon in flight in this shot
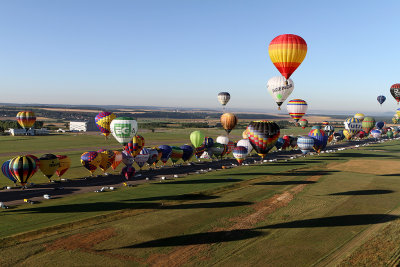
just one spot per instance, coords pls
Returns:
(263, 136)
(280, 89)
(123, 129)
(228, 121)
(26, 119)
(297, 108)
(103, 121)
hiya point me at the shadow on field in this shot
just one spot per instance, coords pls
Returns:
(359, 155)
(296, 173)
(200, 238)
(202, 181)
(344, 220)
(362, 192)
(285, 183)
(112, 206)
(176, 197)
(390, 174)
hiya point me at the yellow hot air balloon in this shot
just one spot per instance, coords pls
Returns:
(347, 134)
(107, 158)
(103, 121)
(65, 163)
(91, 160)
(228, 121)
(26, 119)
(48, 164)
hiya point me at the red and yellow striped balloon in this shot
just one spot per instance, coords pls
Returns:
(26, 119)
(287, 51)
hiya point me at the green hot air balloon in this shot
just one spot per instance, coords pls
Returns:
(368, 124)
(197, 138)
(123, 129)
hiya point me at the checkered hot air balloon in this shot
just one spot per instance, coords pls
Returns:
(90, 160)
(263, 136)
(240, 154)
(287, 52)
(297, 108)
(103, 121)
(305, 143)
(320, 139)
(26, 119)
(22, 168)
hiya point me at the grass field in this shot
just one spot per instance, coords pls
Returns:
(295, 213)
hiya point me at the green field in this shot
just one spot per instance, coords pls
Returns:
(287, 213)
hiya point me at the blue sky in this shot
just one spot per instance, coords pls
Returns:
(183, 53)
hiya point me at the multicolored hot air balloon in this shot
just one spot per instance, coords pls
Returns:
(187, 152)
(329, 129)
(107, 159)
(389, 134)
(90, 160)
(231, 145)
(117, 159)
(49, 163)
(353, 125)
(263, 136)
(395, 120)
(297, 108)
(153, 155)
(359, 116)
(166, 153)
(198, 151)
(223, 98)
(127, 158)
(381, 99)
(26, 119)
(176, 154)
(22, 168)
(135, 145)
(240, 154)
(376, 134)
(123, 129)
(103, 121)
(228, 121)
(246, 143)
(303, 123)
(305, 143)
(395, 91)
(142, 157)
(320, 139)
(5, 169)
(368, 124)
(197, 138)
(287, 51)
(280, 89)
(128, 172)
(208, 142)
(65, 163)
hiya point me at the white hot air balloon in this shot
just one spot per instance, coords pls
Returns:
(305, 143)
(142, 157)
(223, 98)
(222, 140)
(280, 89)
(123, 129)
(246, 143)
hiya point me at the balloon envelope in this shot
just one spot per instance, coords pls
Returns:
(240, 154)
(297, 108)
(127, 158)
(26, 119)
(22, 168)
(228, 121)
(303, 123)
(359, 116)
(395, 91)
(320, 139)
(305, 143)
(187, 152)
(49, 163)
(117, 159)
(90, 160)
(103, 121)
(367, 124)
(176, 153)
(222, 140)
(166, 152)
(197, 138)
(245, 143)
(380, 125)
(65, 163)
(5, 169)
(123, 129)
(223, 98)
(280, 88)
(142, 157)
(107, 158)
(128, 172)
(263, 135)
(381, 99)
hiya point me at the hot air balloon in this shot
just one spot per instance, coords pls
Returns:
(153, 155)
(347, 134)
(222, 140)
(49, 163)
(217, 150)
(128, 172)
(305, 143)
(380, 125)
(176, 154)
(142, 157)
(280, 89)
(127, 158)
(338, 136)
(287, 51)
(90, 160)
(65, 163)
(320, 139)
(22, 168)
(26, 119)
(395, 120)
(318, 127)
(135, 145)
(325, 123)
(303, 123)
(198, 151)
(395, 91)
(103, 121)
(187, 152)
(367, 124)
(244, 134)
(246, 143)
(279, 143)
(166, 153)
(123, 129)
(159, 155)
(286, 142)
(293, 141)
(381, 99)
(398, 112)
(208, 142)
(240, 154)
(228, 121)
(117, 159)
(223, 98)
(353, 125)
(329, 130)
(361, 134)
(37, 161)
(389, 134)
(359, 116)
(107, 159)
(297, 108)
(5, 168)
(263, 136)
(197, 138)
(231, 146)
(376, 134)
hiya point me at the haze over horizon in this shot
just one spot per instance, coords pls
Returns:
(183, 53)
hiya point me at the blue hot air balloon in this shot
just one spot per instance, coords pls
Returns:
(165, 152)
(381, 99)
(305, 143)
(279, 143)
(320, 139)
(380, 125)
(5, 168)
(187, 152)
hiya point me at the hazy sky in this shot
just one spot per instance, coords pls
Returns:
(183, 53)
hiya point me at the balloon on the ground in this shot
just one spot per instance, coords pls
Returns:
(293, 141)
(329, 129)
(368, 124)
(320, 139)
(208, 142)
(318, 127)
(305, 143)
(26, 119)
(103, 121)
(187, 152)
(49, 163)
(198, 151)
(240, 154)
(128, 172)
(228, 121)
(117, 159)
(217, 150)
(231, 146)
(286, 141)
(380, 125)
(395, 91)
(347, 134)
(90, 160)
(360, 134)
(65, 163)
(353, 125)
(287, 51)
(280, 89)
(166, 153)
(123, 129)
(197, 138)
(389, 134)
(107, 159)
(338, 136)
(359, 116)
(176, 154)
(303, 123)
(222, 140)
(263, 136)
(22, 168)
(5, 169)
(135, 145)
(381, 99)
(142, 157)
(376, 133)
(223, 98)
(246, 143)
(279, 143)
(297, 108)
(395, 120)
(127, 158)
(36, 160)
(153, 155)
(244, 134)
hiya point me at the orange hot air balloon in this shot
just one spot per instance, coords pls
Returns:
(228, 121)
(26, 119)
(287, 51)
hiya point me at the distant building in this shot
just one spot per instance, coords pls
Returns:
(82, 126)
(15, 132)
